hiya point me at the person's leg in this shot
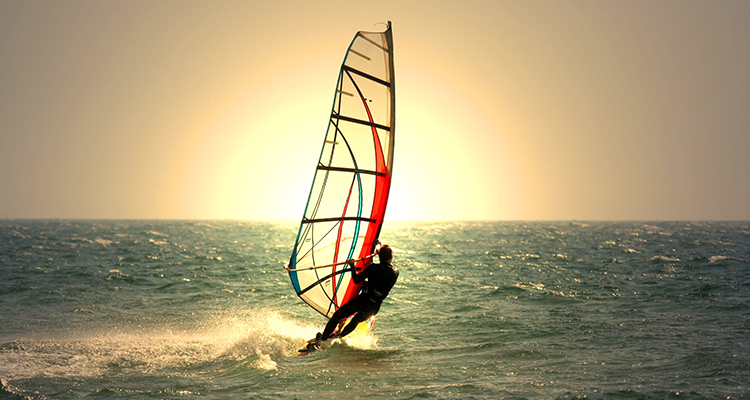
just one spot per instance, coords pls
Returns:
(343, 312)
(349, 328)
(365, 312)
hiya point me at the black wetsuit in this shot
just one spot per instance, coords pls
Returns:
(380, 279)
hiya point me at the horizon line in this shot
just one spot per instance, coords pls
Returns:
(278, 220)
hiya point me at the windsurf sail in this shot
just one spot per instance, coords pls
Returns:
(349, 194)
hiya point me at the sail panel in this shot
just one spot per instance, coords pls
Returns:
(349, 194)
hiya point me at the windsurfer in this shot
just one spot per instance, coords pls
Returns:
(379, 278)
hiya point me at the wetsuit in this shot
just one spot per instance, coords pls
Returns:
(380, 279)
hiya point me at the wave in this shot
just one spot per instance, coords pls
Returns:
(716, 259)
(100, 241)
(664, 259)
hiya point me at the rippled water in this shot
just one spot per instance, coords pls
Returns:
(204, 309)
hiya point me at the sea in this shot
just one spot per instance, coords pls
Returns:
(482, 310)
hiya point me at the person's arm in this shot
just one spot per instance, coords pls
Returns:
(358, 277)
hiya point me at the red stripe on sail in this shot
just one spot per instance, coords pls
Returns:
(382, 188)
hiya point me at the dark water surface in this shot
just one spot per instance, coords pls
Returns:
(204, 309)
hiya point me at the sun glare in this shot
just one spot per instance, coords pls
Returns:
(261, 167)
(450, 161)
(252, 156)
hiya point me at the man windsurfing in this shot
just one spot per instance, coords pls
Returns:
(379, 279)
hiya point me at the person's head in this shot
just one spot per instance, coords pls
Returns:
(385, 254)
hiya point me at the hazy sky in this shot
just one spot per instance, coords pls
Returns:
(554, 110)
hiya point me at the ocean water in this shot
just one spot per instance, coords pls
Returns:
(482, 310)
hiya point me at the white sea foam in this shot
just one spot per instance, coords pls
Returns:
(530, 285)
(362, 342)
(715, 259)
(260, 338)
(664, 259)
(103, 242)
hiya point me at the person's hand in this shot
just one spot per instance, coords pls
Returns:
(350, 262)
(377, 248)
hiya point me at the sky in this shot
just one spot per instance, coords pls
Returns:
(505, 110)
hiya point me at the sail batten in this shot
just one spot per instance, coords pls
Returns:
(337, 219)
(359, 171)
(359, 121)
(373, 42)
(349, 194)
(364, 75)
